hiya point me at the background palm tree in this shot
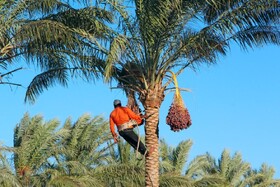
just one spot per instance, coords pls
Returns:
(175, 172)
(87, 136)
(261, 177)
(231, 169)
(6, 53)
(173, 159)
(7, 177)
(164, 36)
(56, 36)
(35, 142)
(80, 152)
(123, 166)
(47, 156)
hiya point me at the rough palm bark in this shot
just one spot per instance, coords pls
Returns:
(151, 102)
(152, 162)
(132, 102)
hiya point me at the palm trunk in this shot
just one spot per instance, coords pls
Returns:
(131, 102)
(151, 139)
(151, 100)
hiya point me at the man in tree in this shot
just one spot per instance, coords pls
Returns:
(125, 120)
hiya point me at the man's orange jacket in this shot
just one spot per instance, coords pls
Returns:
(121, 115)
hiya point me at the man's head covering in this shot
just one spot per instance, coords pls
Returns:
(116, 102)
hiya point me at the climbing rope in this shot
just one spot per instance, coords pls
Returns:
(138, 143)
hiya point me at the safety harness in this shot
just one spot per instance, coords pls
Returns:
(128, 125)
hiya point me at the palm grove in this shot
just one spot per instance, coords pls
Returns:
(139, 44)
(79, 153)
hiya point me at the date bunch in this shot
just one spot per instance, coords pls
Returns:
(178, 117)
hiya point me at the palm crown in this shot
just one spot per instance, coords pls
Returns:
(166, 36)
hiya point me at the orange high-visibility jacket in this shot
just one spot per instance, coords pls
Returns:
(121, 115)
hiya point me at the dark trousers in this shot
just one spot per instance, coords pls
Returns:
(132, 138)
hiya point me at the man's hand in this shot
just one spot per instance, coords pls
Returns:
(142, 122)
(143, 116)
(116, 139)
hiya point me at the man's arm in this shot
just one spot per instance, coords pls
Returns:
(134, 116)
(112, 128)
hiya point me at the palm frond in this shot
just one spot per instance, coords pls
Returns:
(232, 18)
(181, 155)
(121, 175)
(224, 163)
(165, 164)
(246, 12)
(170, 179)
(239, 168)
(89, 19)
(116, 47)
(45, 7)
(73, 181)
(196, 167)
(7, 177)
(174, 159)
(257, 36)
(35, 142)
(260, 177)
(44, 81)
(231, 169)
(55, 35)
(86, 142)
(209, 180)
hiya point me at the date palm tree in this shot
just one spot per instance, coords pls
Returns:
(79, 153)
(123, 167)
(164, 36)
(231, 169)
(172, 163)
(35, 142)
(263, 177)
(6, 52)
(173, 169)
(61, 38)
(47, 156)
(83, 144)
(7, 177)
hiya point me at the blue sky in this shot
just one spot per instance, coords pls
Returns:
(234, 105)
